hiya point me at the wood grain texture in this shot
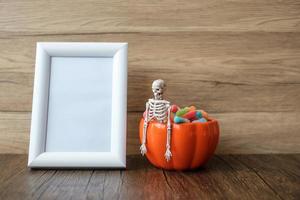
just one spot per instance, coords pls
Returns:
(14, 132)
(265, 132)
(221, 72)
(239, 60)
(224, 177)
(94, 16)
(275, 170)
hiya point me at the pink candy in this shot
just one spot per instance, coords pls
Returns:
(190, 115)
(174, 108)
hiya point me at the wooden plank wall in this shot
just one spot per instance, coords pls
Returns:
(237, 59)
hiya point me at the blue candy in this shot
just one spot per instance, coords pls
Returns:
(201, 120)
(179, 120)
(198, 114)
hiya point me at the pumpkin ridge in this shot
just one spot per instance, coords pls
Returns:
(192, 144)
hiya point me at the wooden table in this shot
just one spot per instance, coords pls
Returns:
(224, 177)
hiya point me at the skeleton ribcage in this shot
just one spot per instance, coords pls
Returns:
(158, 109)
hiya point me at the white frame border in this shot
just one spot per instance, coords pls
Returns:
(38, 158)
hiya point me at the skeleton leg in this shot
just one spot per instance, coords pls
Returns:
(168, 153)
(143, 148)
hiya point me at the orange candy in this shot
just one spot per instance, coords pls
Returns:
(192, 108)
(204, 114)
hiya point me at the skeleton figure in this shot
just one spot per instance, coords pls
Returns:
(157, 109)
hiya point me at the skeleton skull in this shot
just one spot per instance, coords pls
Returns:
(158, 87)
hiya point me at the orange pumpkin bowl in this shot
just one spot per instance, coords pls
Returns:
(192, 144)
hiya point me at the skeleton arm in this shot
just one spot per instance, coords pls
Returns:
(168, 153)
(143, 146)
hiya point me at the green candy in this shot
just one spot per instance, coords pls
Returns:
(182, 111)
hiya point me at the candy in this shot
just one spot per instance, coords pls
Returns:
(204, 114)
(182, 111)
(174, 108)
(201, 120)
(190, 115)
(179, 120)
(194, 118)
(192, 108)
(199, 114)
(186, 114)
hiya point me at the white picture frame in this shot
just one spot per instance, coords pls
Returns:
(58, 132)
